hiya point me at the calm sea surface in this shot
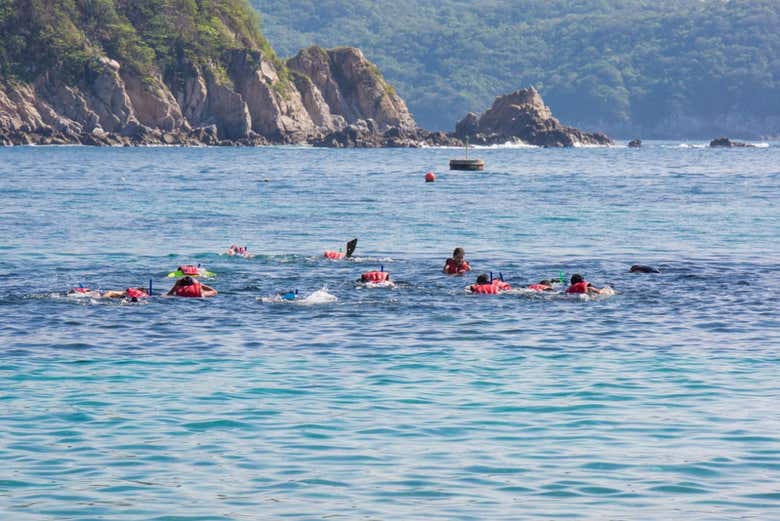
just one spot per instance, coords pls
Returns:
(413, 402)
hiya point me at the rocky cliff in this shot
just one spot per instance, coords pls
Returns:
(257, 102)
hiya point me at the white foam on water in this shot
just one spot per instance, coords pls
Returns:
(508, 144)
(577, 144)
(371, 285)
(320, 296)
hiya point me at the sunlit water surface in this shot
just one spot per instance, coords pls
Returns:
(413, 402)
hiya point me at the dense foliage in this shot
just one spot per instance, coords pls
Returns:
(620, 65)
(147, 35)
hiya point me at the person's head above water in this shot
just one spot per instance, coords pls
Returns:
(483, 279)
(576, 278)
(186, 281)
(458, 253)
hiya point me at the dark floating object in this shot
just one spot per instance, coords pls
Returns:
(638, 268)
(467, 164)
(724, 142)
(635, 143)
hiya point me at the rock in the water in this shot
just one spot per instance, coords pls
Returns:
(640, 268)
(635, 143)
(724, 142)
(523, 116)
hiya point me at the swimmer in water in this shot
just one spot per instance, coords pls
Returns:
(489, 287)
(457, 264)
(544, 285)
(133, 294)
(84, 292)
(580, 286)
(238, 251)
(189, 287)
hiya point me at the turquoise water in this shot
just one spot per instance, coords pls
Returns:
(406, 403)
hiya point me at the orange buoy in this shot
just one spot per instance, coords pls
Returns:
(430, 177)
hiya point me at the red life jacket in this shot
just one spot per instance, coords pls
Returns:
(485, 289)
(539, 287)
(193, 290)
(335, 255)
(136, 293)
(501, 285)
(189, 270)
(375, 276)
(454, 269)
(580, 287)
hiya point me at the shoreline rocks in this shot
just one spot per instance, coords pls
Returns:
(724, 142)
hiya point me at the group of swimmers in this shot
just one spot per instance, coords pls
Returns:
(486, 284)
(188, 285)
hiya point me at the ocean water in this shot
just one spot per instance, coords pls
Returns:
(412, 402)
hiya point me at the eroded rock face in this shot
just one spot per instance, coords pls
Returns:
(249, 101)
(352, 87)
(523, 116)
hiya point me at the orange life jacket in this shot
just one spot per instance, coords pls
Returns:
(193, 290)
(484, 289)
(579, 287)
(189, 270)
(375, 276)
(454, 269)
(136, 293)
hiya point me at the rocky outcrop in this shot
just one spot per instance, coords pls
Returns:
(367, 134)
(249, 98)
(523, 117)
(724, 142)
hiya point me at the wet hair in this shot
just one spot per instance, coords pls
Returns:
(577, 278)
(546, 282)
(187, 281)
(458, 251)
(483, 279)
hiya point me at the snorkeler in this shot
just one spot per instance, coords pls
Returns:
(544, 285)
(238, 251)
(580, 286)
(189, 287)
(81, 291)
(486, 286)
(134, 294)
(457, 264)
(339, 255)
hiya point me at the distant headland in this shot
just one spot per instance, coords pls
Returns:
(134, 74)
